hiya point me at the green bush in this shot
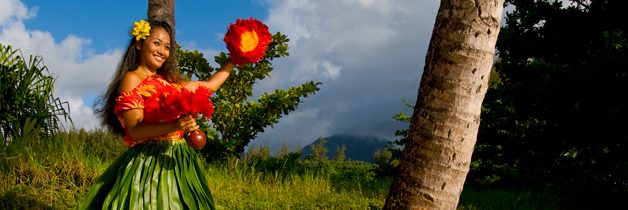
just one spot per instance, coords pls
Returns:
(28, 106)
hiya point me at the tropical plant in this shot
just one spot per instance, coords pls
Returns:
(28, 105)
(238, 119)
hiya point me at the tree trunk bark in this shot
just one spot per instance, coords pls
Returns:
(162, 10)
(446, 118)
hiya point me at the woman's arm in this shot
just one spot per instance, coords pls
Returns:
(140, 130)
(215, 81)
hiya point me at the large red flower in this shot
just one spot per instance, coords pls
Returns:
(247, 40)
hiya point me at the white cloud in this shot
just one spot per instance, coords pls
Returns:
(79, 74)
(87, 119)
(12, 10)
(331, 71)
(288, 19)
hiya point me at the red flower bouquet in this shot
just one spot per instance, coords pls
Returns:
(247, 40)
(174, 103)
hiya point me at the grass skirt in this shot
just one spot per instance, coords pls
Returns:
(152, 175)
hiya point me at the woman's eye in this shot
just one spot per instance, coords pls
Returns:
(156, 43)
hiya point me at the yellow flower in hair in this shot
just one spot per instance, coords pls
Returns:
(141, 30)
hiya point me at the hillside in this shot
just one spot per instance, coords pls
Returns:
(357, 147)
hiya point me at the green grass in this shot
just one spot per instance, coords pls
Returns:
(312, 187)
(53, 173)
(56, 174)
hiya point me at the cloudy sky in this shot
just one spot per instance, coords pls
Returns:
(369, 54)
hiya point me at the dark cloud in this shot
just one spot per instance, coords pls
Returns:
(368, 54)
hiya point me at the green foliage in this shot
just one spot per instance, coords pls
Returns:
(340, 153)
(556, 116)
(28, 106)
(255, 153)
(258, 158)
(318, 151)
(387, 159)
(282, 151)
(386, 162)
(238, 119)
(396, 146)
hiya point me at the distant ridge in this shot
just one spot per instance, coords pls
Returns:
(357, 147)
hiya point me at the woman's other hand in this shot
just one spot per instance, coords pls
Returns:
(187, 123)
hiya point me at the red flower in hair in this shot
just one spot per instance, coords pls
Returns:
(247, 40)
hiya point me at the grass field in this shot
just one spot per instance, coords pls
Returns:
(56, 174)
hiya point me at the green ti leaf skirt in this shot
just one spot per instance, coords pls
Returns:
(153, 175)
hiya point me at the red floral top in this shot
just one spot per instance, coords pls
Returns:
(147, 95)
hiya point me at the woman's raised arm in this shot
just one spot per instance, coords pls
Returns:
(215, 81)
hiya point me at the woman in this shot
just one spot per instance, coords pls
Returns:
(159, 170)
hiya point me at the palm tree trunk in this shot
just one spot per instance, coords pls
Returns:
(162, 10)
(445, 122)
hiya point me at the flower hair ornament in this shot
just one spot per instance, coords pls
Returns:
(141, 30)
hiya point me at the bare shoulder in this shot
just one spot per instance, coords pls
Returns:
(130, 80)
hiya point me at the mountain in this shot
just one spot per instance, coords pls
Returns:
(357, 147)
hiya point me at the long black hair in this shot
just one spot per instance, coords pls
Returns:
(104, 106)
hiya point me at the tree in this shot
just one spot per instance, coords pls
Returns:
(162, 10)
(446, 117)
(340, 153)
(318, 151)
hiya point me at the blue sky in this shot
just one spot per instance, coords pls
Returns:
(198, 22)
(369, 54)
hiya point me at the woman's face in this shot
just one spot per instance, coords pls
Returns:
(155, 49)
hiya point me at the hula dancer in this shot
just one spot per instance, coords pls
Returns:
(159, 170)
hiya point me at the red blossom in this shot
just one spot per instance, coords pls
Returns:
(247, 40)
(173, 104)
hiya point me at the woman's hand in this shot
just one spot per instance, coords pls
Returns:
(187, 123)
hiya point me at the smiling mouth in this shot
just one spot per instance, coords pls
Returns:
(159, 58)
